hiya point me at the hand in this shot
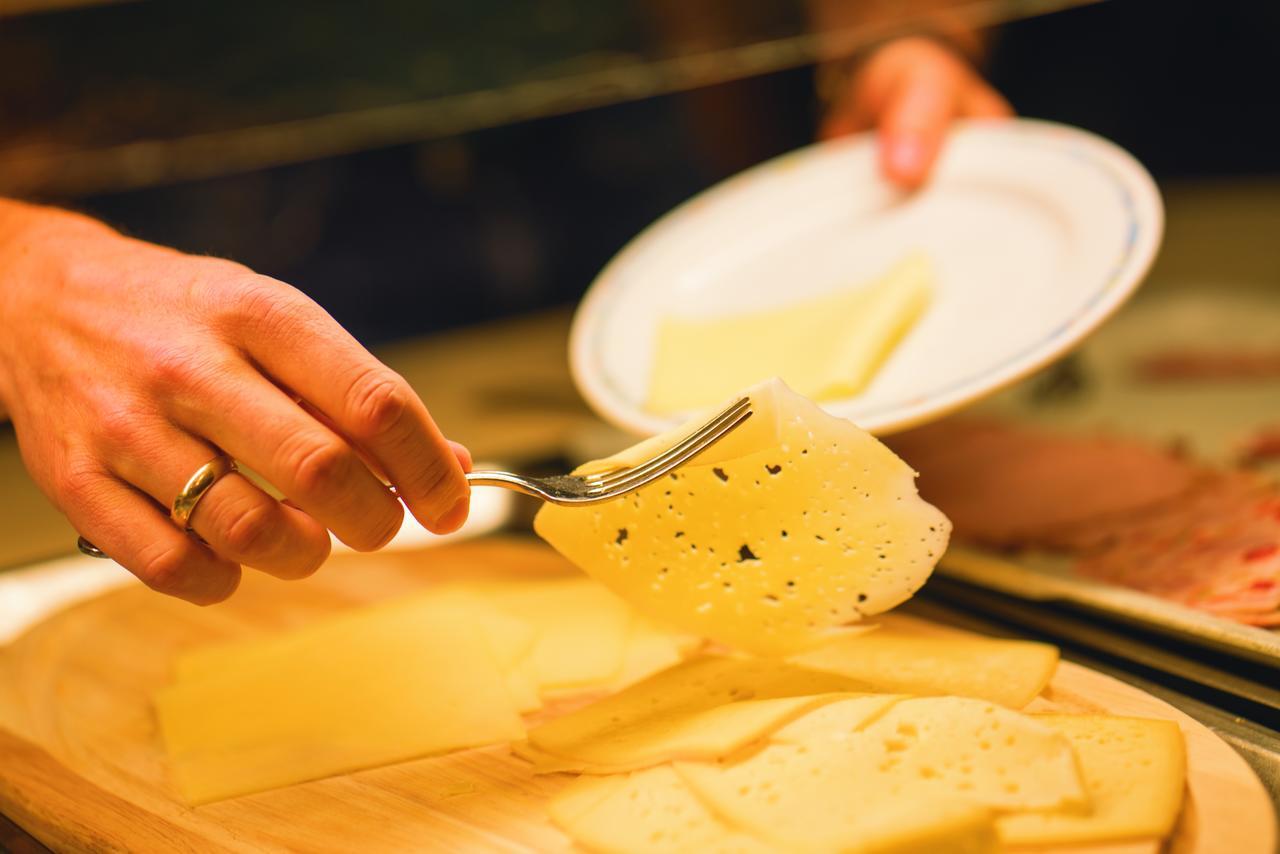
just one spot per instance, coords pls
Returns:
(126, 366)
(910, 90)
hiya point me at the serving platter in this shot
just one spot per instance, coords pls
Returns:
(1037, 232)
(84, 769)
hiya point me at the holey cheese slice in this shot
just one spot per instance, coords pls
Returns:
(794, 524)
(650, 811)
(1135, 770)
(832, 778)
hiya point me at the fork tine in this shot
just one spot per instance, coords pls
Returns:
(640, 479)
(686, 450)
(605, 479)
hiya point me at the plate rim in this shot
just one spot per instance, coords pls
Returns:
(1146, 214)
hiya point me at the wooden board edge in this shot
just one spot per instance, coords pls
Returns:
(34, 785)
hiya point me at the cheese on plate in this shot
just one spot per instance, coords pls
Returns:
(825, 348)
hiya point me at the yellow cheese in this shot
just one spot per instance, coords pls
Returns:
(1135, 773)
(705, 708)
(895, 659)
(382, 688)
(827, 783)
(649, 811)
(650, 649)
(824, 348)
(510, 637)
(580, 628)
(579, 797)
(796, 523)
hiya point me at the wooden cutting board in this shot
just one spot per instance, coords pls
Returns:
(81, 765)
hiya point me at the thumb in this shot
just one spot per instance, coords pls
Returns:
(912, 128)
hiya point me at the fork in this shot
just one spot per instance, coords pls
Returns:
(581, 490)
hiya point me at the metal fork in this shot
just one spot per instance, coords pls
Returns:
(580, 490)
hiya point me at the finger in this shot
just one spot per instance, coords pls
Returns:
(135, 533)
(258, 424)
(914, 124)
(300, 346)
(464, 456)
(980, 101)
(236, 518)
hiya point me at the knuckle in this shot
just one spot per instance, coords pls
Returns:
(117, 426)
(217, 285)
(253, 299)
(436, 475)
(164, 570)
(379, 399)
(318, 463)
(78, 482)
(176, 368)
(379, 532)
(248, 529)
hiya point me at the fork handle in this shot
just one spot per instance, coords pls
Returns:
(504, 479)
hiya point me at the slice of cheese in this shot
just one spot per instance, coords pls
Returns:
(705, 708)
(650, 649)
(581, 796)
(896, 659)
(827, 782)
(380, 688)
(510, 637)
(580, 629)
(649, 811)
(1135, 772)
(824, 348)
(792, 525)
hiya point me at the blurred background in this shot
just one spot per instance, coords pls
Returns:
(416, 166)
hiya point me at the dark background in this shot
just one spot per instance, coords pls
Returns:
(417, 238)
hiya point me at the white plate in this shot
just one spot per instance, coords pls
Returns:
(1037, 231)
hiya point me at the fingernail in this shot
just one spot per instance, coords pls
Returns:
(453, 519)
(906, 158)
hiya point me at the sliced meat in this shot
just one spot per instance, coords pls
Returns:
(1007, 485)
(1218, 551)
(1133, 515)
(1210, 365)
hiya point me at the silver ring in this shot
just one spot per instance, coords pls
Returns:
(90, 549)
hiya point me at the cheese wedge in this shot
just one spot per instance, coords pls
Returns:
(379, 688)
(895, 659)
(826, 782)
(825, 348)
(649, 811)
(1135, 772)
(705, 708)
(793, 525)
